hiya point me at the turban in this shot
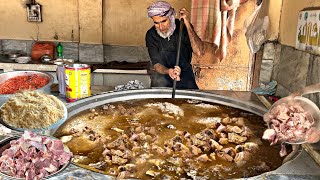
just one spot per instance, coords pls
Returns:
(160, 8)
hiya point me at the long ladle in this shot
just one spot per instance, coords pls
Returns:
(178, 57)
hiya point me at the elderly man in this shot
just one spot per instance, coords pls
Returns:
(162, 44)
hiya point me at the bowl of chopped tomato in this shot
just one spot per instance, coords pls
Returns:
(16, 81)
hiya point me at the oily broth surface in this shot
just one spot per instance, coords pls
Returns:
(91, 151)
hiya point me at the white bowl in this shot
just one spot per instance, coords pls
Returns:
(23, 59)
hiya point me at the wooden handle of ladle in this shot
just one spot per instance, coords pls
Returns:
(178, 57)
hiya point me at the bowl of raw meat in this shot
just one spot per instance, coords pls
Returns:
(292, 120)
(15, 81)
(31, 156)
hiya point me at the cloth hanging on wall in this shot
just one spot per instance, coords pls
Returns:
(213, 21)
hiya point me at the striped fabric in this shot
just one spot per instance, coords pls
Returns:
(213, 21)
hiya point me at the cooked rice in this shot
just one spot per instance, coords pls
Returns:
(32, 110)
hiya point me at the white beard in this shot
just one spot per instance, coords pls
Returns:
(164, 35)
(170, 31)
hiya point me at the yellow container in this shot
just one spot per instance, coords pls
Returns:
(78, 83)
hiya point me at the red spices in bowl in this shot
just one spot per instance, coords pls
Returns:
(18, 83)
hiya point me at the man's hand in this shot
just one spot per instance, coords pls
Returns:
(184, 14)
(172, 72)
(175, 73)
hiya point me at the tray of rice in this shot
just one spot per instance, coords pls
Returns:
(34, 111)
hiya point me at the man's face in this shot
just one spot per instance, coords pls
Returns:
(162, 24)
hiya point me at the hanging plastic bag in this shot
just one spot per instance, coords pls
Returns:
(257, 27)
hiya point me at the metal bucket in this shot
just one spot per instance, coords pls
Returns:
(78, 81)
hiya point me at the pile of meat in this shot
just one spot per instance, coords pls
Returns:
(185, 153)
(288, 123)
(18, 83)
(33, 157)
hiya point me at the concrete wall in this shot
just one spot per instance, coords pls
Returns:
(274, 13)
(291, 68)
(59, 18)
(112, 22)
(125, 22)
(90, 21)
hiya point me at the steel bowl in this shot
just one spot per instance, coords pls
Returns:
(5, 144)
(5, 76)
(306, 104)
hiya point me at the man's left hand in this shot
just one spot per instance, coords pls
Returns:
(184, 14)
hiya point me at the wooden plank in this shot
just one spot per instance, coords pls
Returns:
(257, 68)
(35, 67)
(264, 101)
(120, 71)
(307, 147)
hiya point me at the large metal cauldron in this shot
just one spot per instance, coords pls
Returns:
(83, 104)
(93, 101)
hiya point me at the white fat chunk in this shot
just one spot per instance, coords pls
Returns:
(167, 108)
(209, 120)
(65, 139)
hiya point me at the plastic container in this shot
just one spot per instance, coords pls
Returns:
(59, 50)
(78, 81)
(41, 48)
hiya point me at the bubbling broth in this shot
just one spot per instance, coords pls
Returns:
(169, 139)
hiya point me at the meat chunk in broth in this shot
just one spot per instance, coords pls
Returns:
(171, 139)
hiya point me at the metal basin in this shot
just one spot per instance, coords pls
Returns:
(5, 144)
(93, 101)
(110, 97)
(98, 100)
(5, 76)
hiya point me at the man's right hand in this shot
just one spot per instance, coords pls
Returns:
(175, 73)
(172, 72)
